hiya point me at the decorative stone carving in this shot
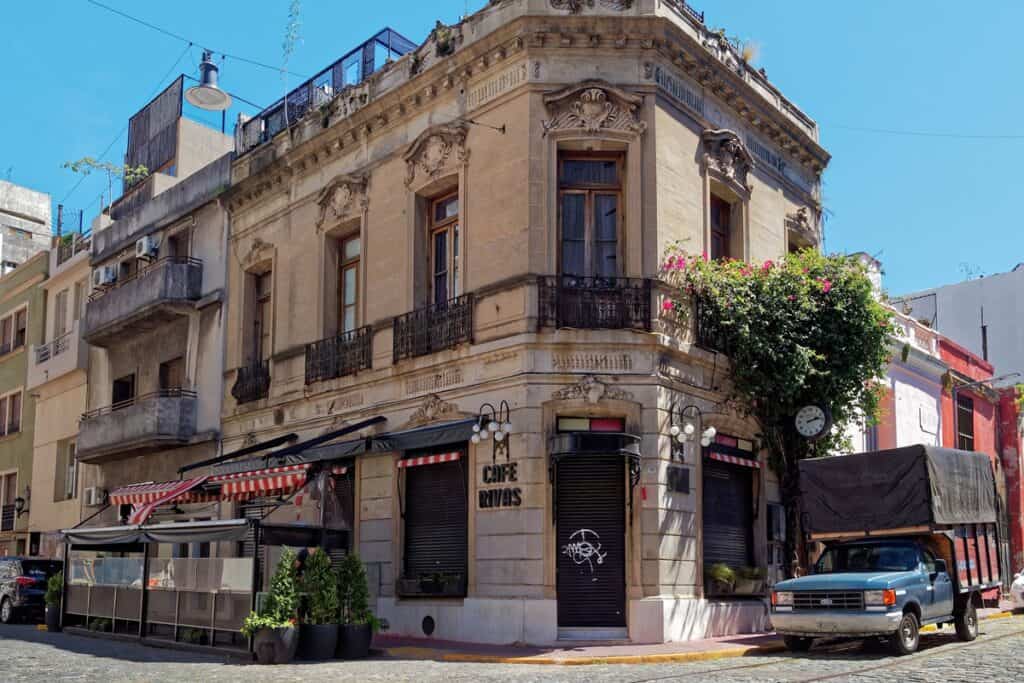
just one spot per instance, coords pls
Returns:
(343, 196)
(727, 157)
(433, 150)
(591, 390)
(802, 224)
(725, 52)
(572, 6)
(617, 5)
(433, 409)
(594, 106)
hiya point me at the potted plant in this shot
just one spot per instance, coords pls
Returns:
(318, 634)
(750, 580)
(54, 589)
(358, 623)
(272, 629)
(719, 579)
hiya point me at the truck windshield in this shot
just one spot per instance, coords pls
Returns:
(868, 558)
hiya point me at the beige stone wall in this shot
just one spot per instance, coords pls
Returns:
(58, 408)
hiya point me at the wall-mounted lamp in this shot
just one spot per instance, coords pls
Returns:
(496, 422)
(20, 506)
(687, 424)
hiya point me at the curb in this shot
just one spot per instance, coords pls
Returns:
(700, 656)
(413, 652)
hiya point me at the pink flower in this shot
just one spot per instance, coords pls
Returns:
(826, 285)
(745, 271)
(806, 270)
(792, 297)
(767, 265)
(681, 264)
(705, 256)
(670, 263)
(667, 305)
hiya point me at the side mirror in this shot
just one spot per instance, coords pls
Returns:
(940, 568)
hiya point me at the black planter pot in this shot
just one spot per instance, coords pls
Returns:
(317, 641)
(53, 618)
(353, 641)
(276, 645)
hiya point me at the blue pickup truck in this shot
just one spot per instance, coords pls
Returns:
(893, 525)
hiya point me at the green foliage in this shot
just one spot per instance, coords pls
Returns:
(100, 624)
(353, 592)
(1020, 397)
(751, 573)
(721, 572)
(320, 584)
(86, 165)
(54, 588)
(280, 607)
(803, 330)
(196, 636)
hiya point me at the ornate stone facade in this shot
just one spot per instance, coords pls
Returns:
(592, 390)
(594, 106)
(727, 158)
(434, 149)
(341, 198)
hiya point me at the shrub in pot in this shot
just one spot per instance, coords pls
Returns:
(54, 589)
(318, 633)
(719, 579)
(272, 630)
(358, 623)
(750, 580)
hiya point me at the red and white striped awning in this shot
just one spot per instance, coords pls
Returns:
(430, 459)
(734, 460)
(142, 510)
(337, 470)
(272, 480)
(140, 494)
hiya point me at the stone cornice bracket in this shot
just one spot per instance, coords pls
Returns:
(571, 6)
(344, 196)
(800, 222)
(593, 106)
(591, 390)
(431, 152)
(727, 158)
(433, 409)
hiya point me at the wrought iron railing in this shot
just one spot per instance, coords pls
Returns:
(683, 7)
(54, 348)
(72, 244)
(340, 355)
(135, 400)
(707, 328)
(7, 517)
(252, 382)
(591, 303)
(434, 328)
(143, 271)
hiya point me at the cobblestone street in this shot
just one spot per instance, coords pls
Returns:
(27, 654)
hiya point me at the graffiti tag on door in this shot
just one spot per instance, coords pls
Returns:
(584, 546)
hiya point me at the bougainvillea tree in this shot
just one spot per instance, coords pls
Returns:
(803, 330)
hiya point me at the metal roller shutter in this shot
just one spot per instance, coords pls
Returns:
(728, 514)
(591, 535)
(436, 538)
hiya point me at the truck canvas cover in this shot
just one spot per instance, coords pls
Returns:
(896, 489)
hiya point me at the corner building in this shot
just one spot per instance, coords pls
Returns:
(481, 223)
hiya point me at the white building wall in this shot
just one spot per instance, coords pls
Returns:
(917, 408)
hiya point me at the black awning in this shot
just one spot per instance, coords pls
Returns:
(168, 532)
(594, 443)
(303, 536)
(432, 436)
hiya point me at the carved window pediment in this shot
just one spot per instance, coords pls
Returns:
(344, 196)
(592, 107)
(727, 158)
(802, 224)
(434, 150)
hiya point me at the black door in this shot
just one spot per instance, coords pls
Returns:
(591, 536)
(728, 514)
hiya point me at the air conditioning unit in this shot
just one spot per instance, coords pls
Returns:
(105, 276)
(147, 247)
(94, 496)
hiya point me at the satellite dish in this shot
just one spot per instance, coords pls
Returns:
(207, 95)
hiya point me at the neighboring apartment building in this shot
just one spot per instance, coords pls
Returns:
(24, 224)
(21, 325)
(986, 315)
(481, 223)
(153, 318)
(57, 374)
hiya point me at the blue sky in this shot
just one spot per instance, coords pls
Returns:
(933, 208)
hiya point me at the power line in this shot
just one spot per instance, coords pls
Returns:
(113, 142)
(182, 38)
(925, 134)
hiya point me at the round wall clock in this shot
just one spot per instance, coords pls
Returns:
(812, 421)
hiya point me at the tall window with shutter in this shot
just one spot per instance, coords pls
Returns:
(590, 220)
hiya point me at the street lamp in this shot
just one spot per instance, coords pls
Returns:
(496, 422)
(687, 424)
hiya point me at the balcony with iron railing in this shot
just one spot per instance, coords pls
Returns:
(160, 419)
(72, 244)
(433, 328)
(157, 293)
(708, 333)
(8, 515)
(57, 358)
(591, 303)
(340, 355)
(252, 382)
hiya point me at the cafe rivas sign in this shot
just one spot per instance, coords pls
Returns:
(505, 496)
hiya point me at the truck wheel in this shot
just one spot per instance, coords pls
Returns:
(797, 643)
(907, 636)
(966, 621)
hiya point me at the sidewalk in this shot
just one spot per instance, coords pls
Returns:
(600, 653)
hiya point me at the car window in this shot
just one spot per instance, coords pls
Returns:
(929, 561)
(6, 569)
(39, 569)
(869, 558)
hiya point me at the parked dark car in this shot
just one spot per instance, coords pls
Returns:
(23, 586)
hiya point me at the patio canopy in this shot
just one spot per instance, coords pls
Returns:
(169, 532)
